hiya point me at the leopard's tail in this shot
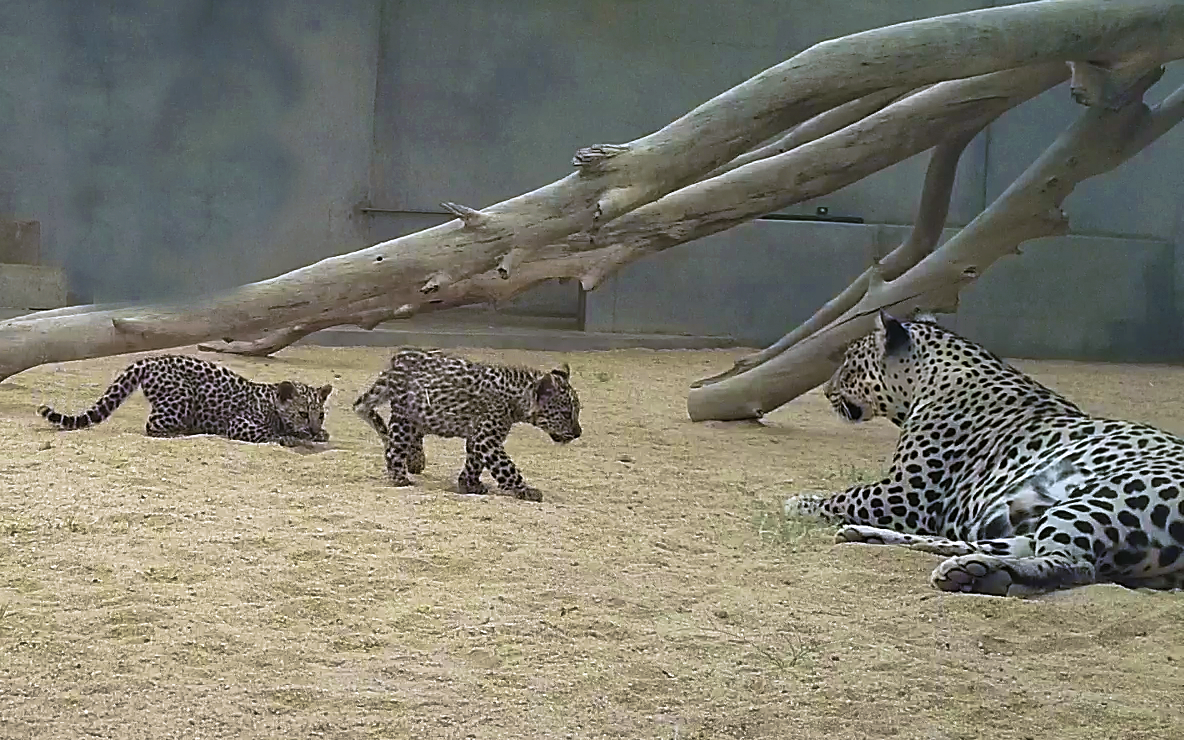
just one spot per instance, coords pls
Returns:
(366, 404)
(120, 388)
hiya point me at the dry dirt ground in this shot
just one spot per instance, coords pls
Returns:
(205, 588)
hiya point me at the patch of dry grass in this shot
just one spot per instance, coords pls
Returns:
(205, 588)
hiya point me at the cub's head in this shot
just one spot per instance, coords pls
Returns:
(302, 409)
(877, 374)
(555, 405)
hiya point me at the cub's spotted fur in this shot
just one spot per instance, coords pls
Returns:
(1019, 488)
(431, 392)
(190, 395)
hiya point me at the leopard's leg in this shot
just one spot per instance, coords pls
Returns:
(1002, 576)
(417, 459)
(246, 429)
(400, 434)
(169, 417)
(1009, 546)
(164, 425)
(487, 447)
(469, 480)
(1076, 542)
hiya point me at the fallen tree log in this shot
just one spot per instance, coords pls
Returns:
(1100, 140)
(605, 201)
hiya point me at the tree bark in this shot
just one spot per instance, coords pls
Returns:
(1100, 140)
(601, 200)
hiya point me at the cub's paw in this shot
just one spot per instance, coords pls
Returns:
(525, 494)
(399, 480)
(416, 461)
(471, 487)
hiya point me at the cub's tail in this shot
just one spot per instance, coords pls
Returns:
(366, 405)
(122, 387)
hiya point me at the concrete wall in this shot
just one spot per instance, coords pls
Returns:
(173, 147)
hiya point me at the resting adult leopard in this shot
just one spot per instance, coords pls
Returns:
(190, 395)
(431, 392)
(1022, 490)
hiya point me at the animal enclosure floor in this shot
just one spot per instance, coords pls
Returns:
(206, 588)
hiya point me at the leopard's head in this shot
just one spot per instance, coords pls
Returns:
(555, 406)
(301, 409)
(876, 377)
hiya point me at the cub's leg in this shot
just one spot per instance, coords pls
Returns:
(400, 440)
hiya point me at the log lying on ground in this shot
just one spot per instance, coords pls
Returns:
(1100, 140)
(612, 181)
(894, 133)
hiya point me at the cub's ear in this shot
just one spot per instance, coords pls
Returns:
(563, 371)
(324, 392)
(894, 338)
(286, 390)
(544, 387)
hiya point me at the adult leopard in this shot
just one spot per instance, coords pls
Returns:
(1023, 491)
(432, 392)
(189, 395)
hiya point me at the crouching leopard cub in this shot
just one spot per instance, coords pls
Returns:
(190, 395)
(431, 392)
(1020, 489)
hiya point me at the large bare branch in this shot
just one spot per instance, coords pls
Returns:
(612, 181)
(1100, 140)
(923, 237)
(488, 287)
(905, 128)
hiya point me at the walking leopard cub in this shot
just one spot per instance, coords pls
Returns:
(1020, 489)
(431, 392)
(190, 395)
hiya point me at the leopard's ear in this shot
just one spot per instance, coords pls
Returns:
(285, 390)
(324, 392)
(544, 387)
(892, 335)
(563, 371)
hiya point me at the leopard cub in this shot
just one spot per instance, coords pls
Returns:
(190, 395)
(431, 392)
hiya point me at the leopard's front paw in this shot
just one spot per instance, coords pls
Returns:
(526, 493)
(398, 478)
(416, 461)
(471, 487)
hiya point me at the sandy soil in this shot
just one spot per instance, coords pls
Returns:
(205, 588)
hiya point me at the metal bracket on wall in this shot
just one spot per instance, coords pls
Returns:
(371, 210)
